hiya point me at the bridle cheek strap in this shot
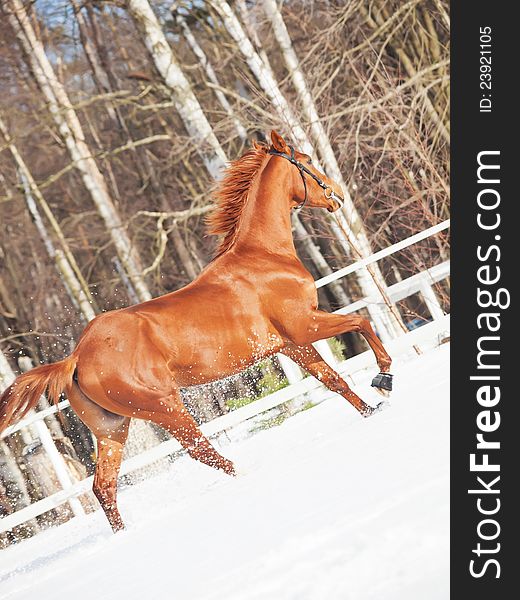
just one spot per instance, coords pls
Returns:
(327, 190)
(302, 204)
(292, 159)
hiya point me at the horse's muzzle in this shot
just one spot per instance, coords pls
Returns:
(337, 203)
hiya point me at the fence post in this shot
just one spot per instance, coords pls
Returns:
(59, 464)
(322, 346)
(292, 370)
(431, 300)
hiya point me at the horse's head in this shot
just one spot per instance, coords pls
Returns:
(311, 187)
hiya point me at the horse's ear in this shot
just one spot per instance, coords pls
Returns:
(278, 142)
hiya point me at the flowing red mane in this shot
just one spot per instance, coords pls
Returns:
(231, 196)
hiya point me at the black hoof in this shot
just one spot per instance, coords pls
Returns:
(383, 383)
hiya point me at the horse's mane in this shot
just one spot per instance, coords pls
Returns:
(231, 195)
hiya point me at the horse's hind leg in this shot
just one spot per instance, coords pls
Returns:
(109, 456)
(111, 432)
(310, 360)
(174, 417)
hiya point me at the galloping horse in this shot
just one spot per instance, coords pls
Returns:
(254, 299)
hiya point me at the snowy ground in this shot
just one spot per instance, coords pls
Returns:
(328, 506)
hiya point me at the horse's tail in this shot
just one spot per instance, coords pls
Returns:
(25, 391)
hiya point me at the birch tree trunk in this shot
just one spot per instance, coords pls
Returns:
(300, 85)
(144, 165)
(72, 134)
(71, 282)
(251, 28)
(100, 76)
(184, 99)
(210, 72)
(262, 72)
(66, 264)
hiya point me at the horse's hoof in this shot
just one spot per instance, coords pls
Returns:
(117, 525)
(372, 410)
(229, 468)
(382, 382)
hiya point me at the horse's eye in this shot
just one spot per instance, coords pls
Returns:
(310, 161)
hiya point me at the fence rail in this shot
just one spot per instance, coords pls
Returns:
(409, 241)
(418, 283)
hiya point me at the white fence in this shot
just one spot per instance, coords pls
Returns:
(419, 283)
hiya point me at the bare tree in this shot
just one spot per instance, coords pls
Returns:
(65, 261)
(72, 134)
(183, 97)
(209, 71)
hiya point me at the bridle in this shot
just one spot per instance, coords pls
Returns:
(327, 190)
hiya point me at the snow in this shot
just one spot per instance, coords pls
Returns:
(327, 506)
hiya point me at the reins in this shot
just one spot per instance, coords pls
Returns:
(327, 190)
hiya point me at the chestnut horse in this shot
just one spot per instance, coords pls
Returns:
(254, 299)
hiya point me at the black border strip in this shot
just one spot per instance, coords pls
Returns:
(473, 132)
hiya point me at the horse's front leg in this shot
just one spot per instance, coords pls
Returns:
(322, 325)
(310, 359)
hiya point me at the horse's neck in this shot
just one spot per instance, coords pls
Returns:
(266, 223)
